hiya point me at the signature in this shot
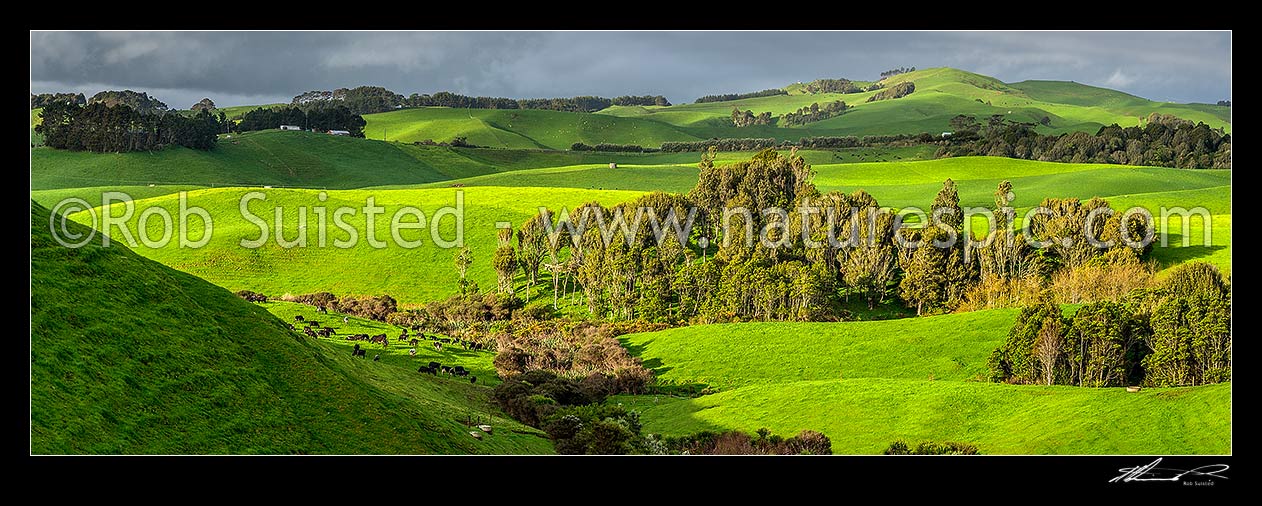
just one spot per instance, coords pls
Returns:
(1151, 472)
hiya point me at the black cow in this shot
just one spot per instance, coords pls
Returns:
(376, 358)
(473, 379)
(434, 365)
(298, 318)
(355, 352)
(361, 353)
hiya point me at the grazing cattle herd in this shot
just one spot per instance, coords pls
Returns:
(312, 328)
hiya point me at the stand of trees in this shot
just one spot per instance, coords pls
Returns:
(1177, 334)
(832, 86)
(899, 90)
(617, 148)
(747, 118)
(1165, 141)
(43, 99)
(897, 71)
(738, 96)
(204, 103)
(360, 100)
(136, 100)
(446, 99)
(814, 113)
(641, 100)
(628, 262)
(335, 117)
(100, 128)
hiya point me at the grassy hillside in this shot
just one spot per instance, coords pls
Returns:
(517, 128)
(731, 355)
(862, 416)
(941, 93)
(419, 274)
(129, 356)
(865, 384)
(310, 160)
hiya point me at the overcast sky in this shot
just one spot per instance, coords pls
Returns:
(241, 68)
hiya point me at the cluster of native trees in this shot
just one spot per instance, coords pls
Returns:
(814, 113)
(44, 99)
(733, 266)
(747, 118)
(102, 128)
(1176, 333)
(899, 90)
(832, 86)
(327, 116)
(137, 100)
(1164, 141)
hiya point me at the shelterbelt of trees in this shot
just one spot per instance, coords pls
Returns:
(102, 128)
(1165, 141)
(372, 99)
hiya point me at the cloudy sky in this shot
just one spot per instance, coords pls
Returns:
(240, 68)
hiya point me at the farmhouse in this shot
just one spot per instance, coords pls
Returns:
(290, 127)
(339, 132)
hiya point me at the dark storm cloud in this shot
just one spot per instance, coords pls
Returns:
(255, 67)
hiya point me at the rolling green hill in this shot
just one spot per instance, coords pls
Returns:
(941, 93)
(413, 275)
(129, 356)
(310, 160)
(528, 129)
(865, 384)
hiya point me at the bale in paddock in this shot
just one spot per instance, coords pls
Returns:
(485, 428)
(476, 435)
